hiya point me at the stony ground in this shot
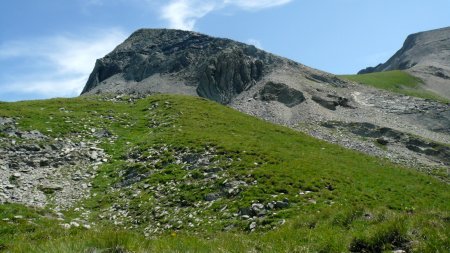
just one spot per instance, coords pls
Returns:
(407, 130)
(38, 170)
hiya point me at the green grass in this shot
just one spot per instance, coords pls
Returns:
(396, 81)
(361, 203)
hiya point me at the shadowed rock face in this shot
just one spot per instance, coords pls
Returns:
(228, 74)
(282, 93)
(215, 68)
(425, 55)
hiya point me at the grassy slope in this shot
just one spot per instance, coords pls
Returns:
(396, 81)
(371, 204)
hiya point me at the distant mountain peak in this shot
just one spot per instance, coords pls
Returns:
(425, 55)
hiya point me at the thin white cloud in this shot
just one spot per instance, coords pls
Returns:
(183, 14)
(256, 4)
(255, 43)
(56, 65)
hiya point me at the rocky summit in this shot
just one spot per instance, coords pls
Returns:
(174, 61)
(283, 92)
(425, 55)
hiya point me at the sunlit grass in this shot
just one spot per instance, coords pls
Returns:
(361, 202)
(396, 81)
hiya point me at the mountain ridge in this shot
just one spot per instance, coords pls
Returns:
(275, 89)
(190, 63)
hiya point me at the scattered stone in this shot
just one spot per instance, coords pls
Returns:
(93, 155)
(282, 204)
(312, 201)
(102, 133)
(66, 226)
(74, 224)
(382, 141)
(212, 196)
(51, 188)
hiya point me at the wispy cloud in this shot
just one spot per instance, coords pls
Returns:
(256, 4)
(183, 14)
(255, 43)
(56, 65)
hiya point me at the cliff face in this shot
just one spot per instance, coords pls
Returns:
(425, 55)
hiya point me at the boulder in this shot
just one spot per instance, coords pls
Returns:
(282, 93)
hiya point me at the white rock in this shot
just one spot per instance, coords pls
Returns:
(74, 224)
(65, 225)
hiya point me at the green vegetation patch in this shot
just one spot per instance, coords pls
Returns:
(183, 173)
(396, 81)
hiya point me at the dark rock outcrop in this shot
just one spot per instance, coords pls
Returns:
(331, 102)
(282, 93)
(228, 74)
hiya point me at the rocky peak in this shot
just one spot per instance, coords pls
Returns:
(216, 68)
(425, 55)
(418, 48)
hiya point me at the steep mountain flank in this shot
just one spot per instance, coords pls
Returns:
(275, 89)
(425, 55)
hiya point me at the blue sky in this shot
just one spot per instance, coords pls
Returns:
(49, 47)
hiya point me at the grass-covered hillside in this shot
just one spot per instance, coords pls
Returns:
(185, 174)
(396, 81)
